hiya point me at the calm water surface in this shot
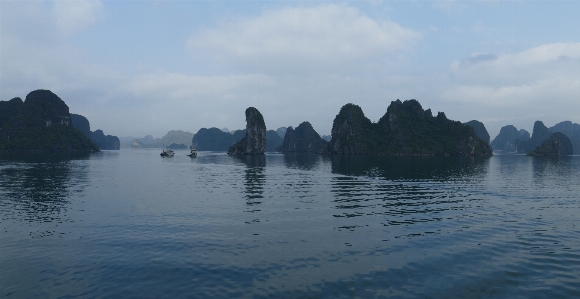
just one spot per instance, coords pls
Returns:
(130, 224)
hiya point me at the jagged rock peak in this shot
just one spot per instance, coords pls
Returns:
(405, 129)
(254, 143)
(557, 145)
(398, 110)
(410, 106)
(540, 131)
(302, 139)
(348, 126)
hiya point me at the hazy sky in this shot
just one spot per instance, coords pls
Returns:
(147, 67)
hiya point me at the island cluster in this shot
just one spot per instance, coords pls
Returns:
(42, 123)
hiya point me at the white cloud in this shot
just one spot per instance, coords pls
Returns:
(329, 38)
(518, 88)
(75, 15)
(534, 73)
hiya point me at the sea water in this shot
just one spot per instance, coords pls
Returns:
(131, 224)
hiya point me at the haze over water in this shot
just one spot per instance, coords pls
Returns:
(130, 224)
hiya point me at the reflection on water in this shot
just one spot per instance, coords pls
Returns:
(305, 161)
(255, 178)
(294, 226)
(252, 160)
(36, 188)
(410, 167)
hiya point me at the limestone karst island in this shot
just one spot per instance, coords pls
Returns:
(43, 123)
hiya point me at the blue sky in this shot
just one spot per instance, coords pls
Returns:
(147, 67)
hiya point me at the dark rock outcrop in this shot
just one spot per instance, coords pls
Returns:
(214, 139)
(108, 142)
(302, 139)
(480, 130)
(571, 130)
(42, 123)
(9, 109)
(506, 139)
(105, 142)
(254, 143)
(539, 135)
(557, 145)
(406, 129)
(81, 123)
(350, 132)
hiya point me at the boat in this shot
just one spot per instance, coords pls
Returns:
(193, 153)
(167, 153)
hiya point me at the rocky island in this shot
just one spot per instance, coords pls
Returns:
(480, 130)
(254, 143)
(506, 139)
(540, 134)
(41, 123)
(571, 130)
(104, 142)
(405, 129)
(557, 145)
(303, 139)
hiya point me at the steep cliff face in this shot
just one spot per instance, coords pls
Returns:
(539, 135)
(405, 129)
(557, 145)
(254, 143)
(349, 132)
(302, 139)
(105, 142)
(81, 123)
(42, 124)
(480, 130)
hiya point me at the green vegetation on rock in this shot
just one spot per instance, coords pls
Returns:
(42, 123)
(571, 130)
(557, 145)
(480, 130)
(406, 129)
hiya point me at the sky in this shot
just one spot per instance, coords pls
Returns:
(137, 68)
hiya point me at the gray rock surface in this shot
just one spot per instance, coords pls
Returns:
(254, 143)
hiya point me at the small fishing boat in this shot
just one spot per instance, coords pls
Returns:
(167, 153)
(193, 153)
